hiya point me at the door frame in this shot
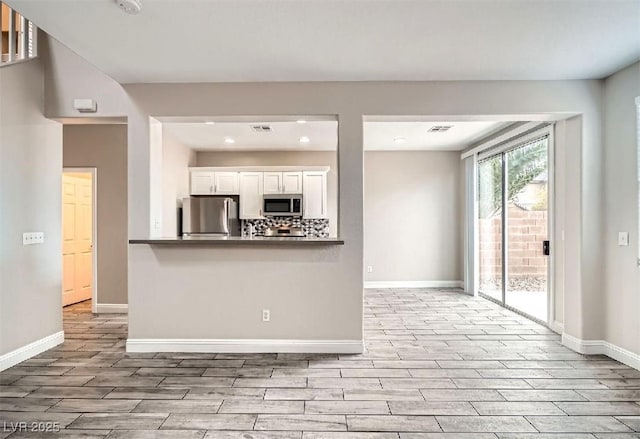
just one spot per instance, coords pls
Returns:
(94, 229)
(520, 140)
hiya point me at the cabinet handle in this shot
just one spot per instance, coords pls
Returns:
(215, 187)
(210, 189)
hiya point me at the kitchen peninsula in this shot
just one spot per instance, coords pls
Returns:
(265, 271)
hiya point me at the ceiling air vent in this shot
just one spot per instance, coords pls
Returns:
(439, 128)
(261, 128)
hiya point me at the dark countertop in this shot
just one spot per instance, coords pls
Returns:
(239, 240)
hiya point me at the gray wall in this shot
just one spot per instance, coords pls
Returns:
(30, 201)
(284, 158)
(621, 208)
(578, 101)
(343, 290)
(413, 216)
(105, 148)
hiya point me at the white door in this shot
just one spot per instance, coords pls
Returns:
(251, 191)
(226, 183)
(314, 194)
(273, 182)
(292, 182)
(77, 233)
(202, 182)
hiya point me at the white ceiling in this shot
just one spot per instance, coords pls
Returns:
(323, 134)
(354, 40)
(380, 136)
(284, 136)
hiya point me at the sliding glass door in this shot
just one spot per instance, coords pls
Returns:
(513, 227)
(527, 226)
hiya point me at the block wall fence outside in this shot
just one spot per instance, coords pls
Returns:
(527, 231)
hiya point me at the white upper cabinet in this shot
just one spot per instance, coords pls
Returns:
(292, 182)
(272, 182)
(214, 183)
(226, 183)
(314, 195)
(202, 182)
(289, 182)
(251, 183)
(251, 191)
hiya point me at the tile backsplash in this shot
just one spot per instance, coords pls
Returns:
(313, 228)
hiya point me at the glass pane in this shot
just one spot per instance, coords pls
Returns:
(490, 226)
(276, 206)
(527, 228)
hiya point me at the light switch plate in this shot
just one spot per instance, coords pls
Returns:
(623, 239)
(31, 238)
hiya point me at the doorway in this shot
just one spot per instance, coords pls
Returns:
(514, 226)
(78, 235)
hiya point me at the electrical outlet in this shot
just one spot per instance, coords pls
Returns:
(266, 315)
(623, 239)
(369, 268)
(32, 238)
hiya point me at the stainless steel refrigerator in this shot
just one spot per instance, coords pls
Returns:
(210, 216)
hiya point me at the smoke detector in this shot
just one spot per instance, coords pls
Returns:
(130, 6)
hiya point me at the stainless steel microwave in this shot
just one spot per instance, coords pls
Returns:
(282, 205)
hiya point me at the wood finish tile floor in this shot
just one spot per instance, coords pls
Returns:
(439, 364)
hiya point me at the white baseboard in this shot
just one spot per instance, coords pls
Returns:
(32, 349)
(112, 308)
(602, 347)
(245, 346)
(414, 284)
(557, 327)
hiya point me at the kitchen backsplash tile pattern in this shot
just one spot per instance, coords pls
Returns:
(313, 228)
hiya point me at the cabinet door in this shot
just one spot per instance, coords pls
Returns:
(251, 190)
(273, 182)
(226, 183)
(292, 182)
(314, 192)
(201, 182)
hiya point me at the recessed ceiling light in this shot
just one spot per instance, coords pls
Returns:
(304, 139)
(301, 121)
(229, 140)
(209, 123)
(399, 139)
